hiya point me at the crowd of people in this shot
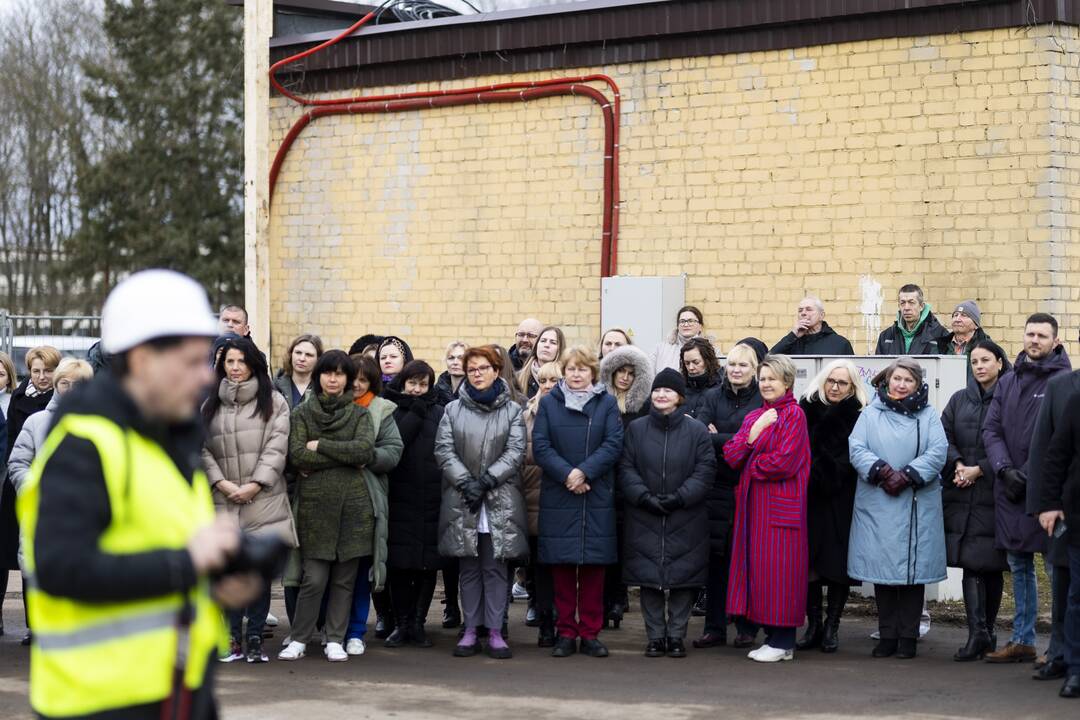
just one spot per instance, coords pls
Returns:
(580, 472)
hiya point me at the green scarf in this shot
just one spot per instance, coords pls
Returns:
(909, 335)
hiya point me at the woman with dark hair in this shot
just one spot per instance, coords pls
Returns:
(367, 389)
(967, 497)
(507, 375)
(296, 368)
(689, 323)
(700, 369)
(415, 498)
(898, 447)
(331, 439)
(247, 442)
(394, 354)
(364, 343)
(480, 446)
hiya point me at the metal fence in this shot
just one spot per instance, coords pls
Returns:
(72, 335)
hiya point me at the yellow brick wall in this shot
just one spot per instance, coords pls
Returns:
(950, 161)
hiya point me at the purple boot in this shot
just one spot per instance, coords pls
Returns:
(497, 648)
(468, 644)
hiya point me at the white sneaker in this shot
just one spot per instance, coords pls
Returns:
(876, 635)
(294, 651)
(768, 654)
(271, 620)
(924, 624)
(286, 641)
(520, 593)
(355, 646)
(335, 653)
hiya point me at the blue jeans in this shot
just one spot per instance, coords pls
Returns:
(361, 604)
(1072, 614)
(1026, 594)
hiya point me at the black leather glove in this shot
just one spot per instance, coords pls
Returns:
(1015, 484)
(487, 483)
(471, 493)
(652, 504)
(670, 502)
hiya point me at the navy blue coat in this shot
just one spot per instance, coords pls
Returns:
(577, 529)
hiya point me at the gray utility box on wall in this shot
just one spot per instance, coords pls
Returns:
(644, 307)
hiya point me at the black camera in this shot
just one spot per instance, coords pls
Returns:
(262, 554)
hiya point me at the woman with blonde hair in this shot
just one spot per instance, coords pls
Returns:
(8, 383)
(612, 339)
(550, 346)
(538, 582)
(832, 405)
(448, 384)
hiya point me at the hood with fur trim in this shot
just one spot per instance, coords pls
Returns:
(640, 391)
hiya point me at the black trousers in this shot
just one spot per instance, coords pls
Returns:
(411, 592)
(450, 582)
(542, 586)
(899, 610)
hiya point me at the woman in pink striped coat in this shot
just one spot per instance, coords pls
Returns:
(769, 550)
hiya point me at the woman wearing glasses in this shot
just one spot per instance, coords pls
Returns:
(689, 323)
(480, 447)
(832, 405)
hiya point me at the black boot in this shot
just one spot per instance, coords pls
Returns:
(830, 639)
(545, 637)
(400, 634)
(417, 633)
(978, 642)
(814, 629)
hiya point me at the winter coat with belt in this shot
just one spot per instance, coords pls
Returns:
(665, 454)
(242, 447)
(725, 408)
(1061, 474)
(824, 342)
(898, 540)
(923, 340)
(1051, 417)
(20, 408)
(831, 493)
(578, 529)
(1007, 434)
(969, 512)
(335, 510)
(768, 568)
(475, 439)
(415, 484)
(697, 388)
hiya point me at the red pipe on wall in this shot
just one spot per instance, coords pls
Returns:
(494, 93)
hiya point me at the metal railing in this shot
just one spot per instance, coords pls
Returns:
(72, 335)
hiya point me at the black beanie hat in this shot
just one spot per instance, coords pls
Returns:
(760, 349)
(670, 379)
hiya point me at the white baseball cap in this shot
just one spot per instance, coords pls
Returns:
(155, 304)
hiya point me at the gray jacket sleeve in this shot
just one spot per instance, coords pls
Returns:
(22, 455)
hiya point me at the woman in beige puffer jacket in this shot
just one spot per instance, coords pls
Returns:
(247, 443)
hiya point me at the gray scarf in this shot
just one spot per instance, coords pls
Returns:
(578, 399)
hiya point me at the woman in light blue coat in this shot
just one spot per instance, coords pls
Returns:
(898, 447)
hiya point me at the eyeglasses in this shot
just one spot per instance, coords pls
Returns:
(841, 384)
(530, 336)
(478, 370)
(688, 321)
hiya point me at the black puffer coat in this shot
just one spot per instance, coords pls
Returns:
(725, 409)
(969, 512)
(415, 484)
(831, 495)
(21, 407)
(696, 388)
(667, 454)
(444, 389)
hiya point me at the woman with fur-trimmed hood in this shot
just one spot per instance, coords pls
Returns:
(627, 374)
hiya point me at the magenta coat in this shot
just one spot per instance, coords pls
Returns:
(769, 552)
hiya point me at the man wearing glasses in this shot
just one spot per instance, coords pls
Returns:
(524, 341)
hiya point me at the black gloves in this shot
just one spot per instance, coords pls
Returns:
(1015, 484)
(652, 504)
(670, 502)
(487, 483)
(472, 493)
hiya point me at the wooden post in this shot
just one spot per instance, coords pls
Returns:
(258, 26)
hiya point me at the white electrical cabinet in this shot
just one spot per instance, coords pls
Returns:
(644, 307)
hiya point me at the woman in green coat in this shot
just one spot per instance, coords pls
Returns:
(332, 439)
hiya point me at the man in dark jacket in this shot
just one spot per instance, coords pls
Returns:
(528, 333)
(811, 334)
(1051, 418)
(1007, 434)
(1059, 515)
(966, 330)
(916, 330)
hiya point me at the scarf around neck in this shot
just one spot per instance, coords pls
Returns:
(578, 399)
(910, 405)
(488, 396)
(365, 399)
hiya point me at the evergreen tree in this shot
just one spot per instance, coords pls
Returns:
(167, 188)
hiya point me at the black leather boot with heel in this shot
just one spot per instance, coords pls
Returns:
(978, 642)
(814, 629)
(837, 598)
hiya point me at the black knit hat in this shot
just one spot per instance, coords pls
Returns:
(760, 349)
(670, 379)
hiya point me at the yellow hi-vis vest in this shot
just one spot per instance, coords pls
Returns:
(92, 657)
